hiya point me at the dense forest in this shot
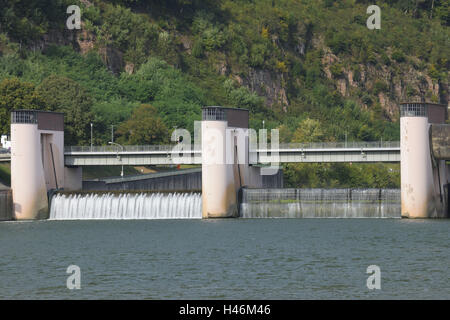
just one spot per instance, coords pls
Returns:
(312, 69)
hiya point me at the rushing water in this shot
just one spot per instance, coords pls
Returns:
(126, 206)
(226, 259)
(321, 203)
(257, 203)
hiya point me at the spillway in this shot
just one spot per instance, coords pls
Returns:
(256, 203)
(320, 203)
(126, 206)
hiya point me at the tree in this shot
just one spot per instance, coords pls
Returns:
(143, 128)
(285, 134)
(62, 94)
(309, 130)
(14, 95)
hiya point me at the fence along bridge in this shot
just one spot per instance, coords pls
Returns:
(386, 151)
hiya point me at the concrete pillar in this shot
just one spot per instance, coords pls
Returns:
(440, 181)
(73, 178)
(27, 174)
(37, 161)
(417, 191)
(218, 185)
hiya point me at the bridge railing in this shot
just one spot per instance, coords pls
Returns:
(116, 148)
(312, 145)
(338, 145)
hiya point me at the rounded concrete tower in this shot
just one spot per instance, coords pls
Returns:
(37, 161)
(417, 191)
(218, 185)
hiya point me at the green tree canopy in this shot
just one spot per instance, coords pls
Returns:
(309, 130)
(143, 128)
(14, 95)
(62, 94)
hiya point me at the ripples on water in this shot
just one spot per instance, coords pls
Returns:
(230, 258)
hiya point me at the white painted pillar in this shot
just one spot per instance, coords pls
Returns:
(417, 191)
(27, 174)
(218, 185)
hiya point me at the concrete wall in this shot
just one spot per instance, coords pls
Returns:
(273, 181)
(52, 146)
(73, 178)
(440, 138)
(189, 179)
(180, 180)
(6, 205)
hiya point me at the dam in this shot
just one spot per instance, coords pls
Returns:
(255, 203)
(238, 167)
(126, 206)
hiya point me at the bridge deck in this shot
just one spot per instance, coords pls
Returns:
(387, 151)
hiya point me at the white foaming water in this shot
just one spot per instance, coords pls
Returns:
(126, 206)
(321, 203)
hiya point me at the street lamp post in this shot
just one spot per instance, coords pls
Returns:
(91, 135)
(112, 133)
(113, 143)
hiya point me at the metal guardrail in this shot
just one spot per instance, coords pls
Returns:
(5, 157)
(313, 145)
(338, 145)
(5, 154)
(115, 149)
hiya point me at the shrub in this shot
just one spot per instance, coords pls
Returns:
(380, 86)
(398, 56)
(337, 70)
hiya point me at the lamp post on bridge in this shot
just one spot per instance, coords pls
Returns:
(112, 133)
(113, 143)
(91, 135)
(346, 139)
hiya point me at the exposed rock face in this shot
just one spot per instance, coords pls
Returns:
(113, 58)
(53, 37)
(129, 67)
(85, 41)
(267, 84)
(390, 85)
(300, 48)
(186, 42)
(397, 84)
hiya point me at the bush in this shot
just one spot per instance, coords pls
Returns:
(337, 70)
(197, 49)
(398, 56)
(380, 86)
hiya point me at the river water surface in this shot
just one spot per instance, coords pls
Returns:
(226, 259)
